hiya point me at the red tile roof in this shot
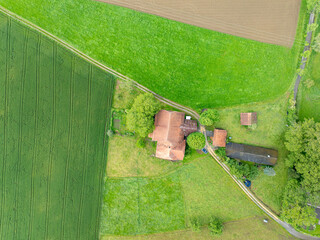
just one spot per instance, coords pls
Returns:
(248, 119)
(219, 138)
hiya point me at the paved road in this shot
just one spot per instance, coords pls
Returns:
(173, 104)
(303, 59)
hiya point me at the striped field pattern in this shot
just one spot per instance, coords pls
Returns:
(54, 107)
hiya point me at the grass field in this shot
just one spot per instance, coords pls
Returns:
(140, 205)
(310, 97)
(268, 133)
(190, 65)
(53, 112)
(244, 229)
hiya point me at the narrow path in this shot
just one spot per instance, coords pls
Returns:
(188, 110)
(303, 59)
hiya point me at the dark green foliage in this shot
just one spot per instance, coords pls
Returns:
(241, 169)
(303, 141)
(269, 171)
(196, 140)
(140, 117)
(294, 207)
(215, 226)
(221, 152)
(209, 117)
(141, 143)
(195, 224)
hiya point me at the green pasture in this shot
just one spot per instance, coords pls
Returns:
(190, 65)
(53, 112)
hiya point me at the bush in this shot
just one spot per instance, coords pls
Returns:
(215, 226)
(221, 152)
(110, 133)
(269, 171)
(309, 83)
(195, 225)
(316, 44)
(240, 169)
(291, 111)
(209, 117)
(196, 140)
(141, 143)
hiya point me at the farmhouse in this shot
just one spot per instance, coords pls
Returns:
(219, 138)
(170, 130)
(247, 119)
(252, 153)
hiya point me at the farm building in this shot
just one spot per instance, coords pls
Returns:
(219, 138)
(252, 153)
(247, 119)
(170, 130)
(189, 126)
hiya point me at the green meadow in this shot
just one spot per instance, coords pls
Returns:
(190, 65)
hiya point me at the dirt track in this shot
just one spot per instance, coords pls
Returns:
(270, 21)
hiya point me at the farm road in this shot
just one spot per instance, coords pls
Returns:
(188, 110)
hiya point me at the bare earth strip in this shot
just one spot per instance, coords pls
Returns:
(270, 21)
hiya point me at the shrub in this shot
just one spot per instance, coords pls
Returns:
(221, 152)
(309, 83)
(141, 143)
(215, 226)
(312, 27)
(269, 171)
(209, 117)
(240, 169)
(316, 44)
(291, 111)
(195, 225)
(196, 140)
(110, 133)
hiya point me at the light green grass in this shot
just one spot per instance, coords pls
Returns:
(140, 205)
(190, 65)
(309, 102)
(149, 205)
(268, 133)
(250, 228)
(53, 109)
(125, 159)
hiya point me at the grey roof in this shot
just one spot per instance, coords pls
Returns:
(252, 153)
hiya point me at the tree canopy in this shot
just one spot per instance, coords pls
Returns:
(209, 117)
(303, 141)
(196, 140)
(140, 117)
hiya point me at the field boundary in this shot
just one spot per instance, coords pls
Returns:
(96, 63)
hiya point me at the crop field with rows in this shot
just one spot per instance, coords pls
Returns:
(54, 107)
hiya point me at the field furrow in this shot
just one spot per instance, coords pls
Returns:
(53, 111)
(23, 79)
(70, 129)
(3, 203)
(84, 173)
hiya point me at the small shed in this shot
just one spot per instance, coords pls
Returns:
(250, 153)
(219, 138)
(189, 126)
(247, 119)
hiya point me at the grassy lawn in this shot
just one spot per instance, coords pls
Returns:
(309, 100)
(140, 205)
(53, 112)
(127, 160)
(268, 133)
(244, 229)
(190, 65)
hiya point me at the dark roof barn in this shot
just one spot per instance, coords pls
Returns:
(250, 153)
